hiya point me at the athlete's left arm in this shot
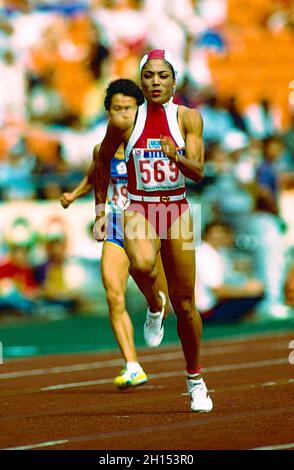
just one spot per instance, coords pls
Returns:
(191, 165)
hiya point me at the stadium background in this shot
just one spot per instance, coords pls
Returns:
(236, 66)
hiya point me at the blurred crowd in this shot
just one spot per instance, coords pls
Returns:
(56, 59)
(39, 277)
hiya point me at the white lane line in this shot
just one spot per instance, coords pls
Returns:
(247, 365)
(61, 369)
(248, 337)
(162, 375)
(276, 447)
(118, 362)
(88, 383)
(41, 444)
(168, 374)
(233, 388)
(170, 427)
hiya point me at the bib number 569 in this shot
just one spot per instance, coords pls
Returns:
(160, 172)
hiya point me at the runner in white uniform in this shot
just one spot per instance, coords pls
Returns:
(154, 185)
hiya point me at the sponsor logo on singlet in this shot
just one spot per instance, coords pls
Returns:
(153, 144)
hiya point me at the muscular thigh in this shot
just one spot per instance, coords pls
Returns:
(178, 257)
(140, 239)
(114, 266)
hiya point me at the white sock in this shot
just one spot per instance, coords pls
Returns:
(133, 366)
(155, 314)
(194, 376)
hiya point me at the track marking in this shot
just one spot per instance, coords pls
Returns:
(41, 444)
(162, 375)
(246, 365)
(61, 369)
(234, 388)
(118, 362)
(211, 419)
(276, 447)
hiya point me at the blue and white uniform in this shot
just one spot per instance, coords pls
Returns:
(117, 197)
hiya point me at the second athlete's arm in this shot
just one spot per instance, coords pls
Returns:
(83, 188)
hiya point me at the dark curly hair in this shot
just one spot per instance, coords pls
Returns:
(125, 87)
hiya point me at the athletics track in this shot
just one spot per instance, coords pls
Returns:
(67, 401)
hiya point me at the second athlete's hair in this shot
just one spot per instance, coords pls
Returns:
(125, 87)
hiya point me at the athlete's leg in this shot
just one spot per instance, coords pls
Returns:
(178, 257)
(115, 272)
(162, 282)
(142, 246)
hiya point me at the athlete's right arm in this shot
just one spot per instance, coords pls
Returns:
(102, 157)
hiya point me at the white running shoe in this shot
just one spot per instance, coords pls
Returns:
(200, 399)
(153, 326)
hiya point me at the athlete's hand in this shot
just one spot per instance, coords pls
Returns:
(66, 199)
(99, 228)
(169, 148)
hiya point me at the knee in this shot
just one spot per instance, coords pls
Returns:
(143, 266)
(115, 300)
(185, 307)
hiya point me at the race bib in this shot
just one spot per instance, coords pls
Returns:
(156, 172)
(117, 193)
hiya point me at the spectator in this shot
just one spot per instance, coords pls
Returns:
(289, 288)
(12, 104)
(243, 160)
(178, 21)
(17, 181)
(51, 176)
(253, 212)
(213, 12)
(277, 165)
(18, 288)
(288, 137)
(262, 119)
(282, 16)
(217, 119)
(233, 170)
(186, 94)
(28, 24)
(218, 299)
(286, 164)
(45, 104)
(204, 36)
(236, 115)
(266, 173)
(265, 230)
(98, 53)
(60, 280)
(123, 28)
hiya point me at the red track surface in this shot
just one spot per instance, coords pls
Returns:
(69, 402)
